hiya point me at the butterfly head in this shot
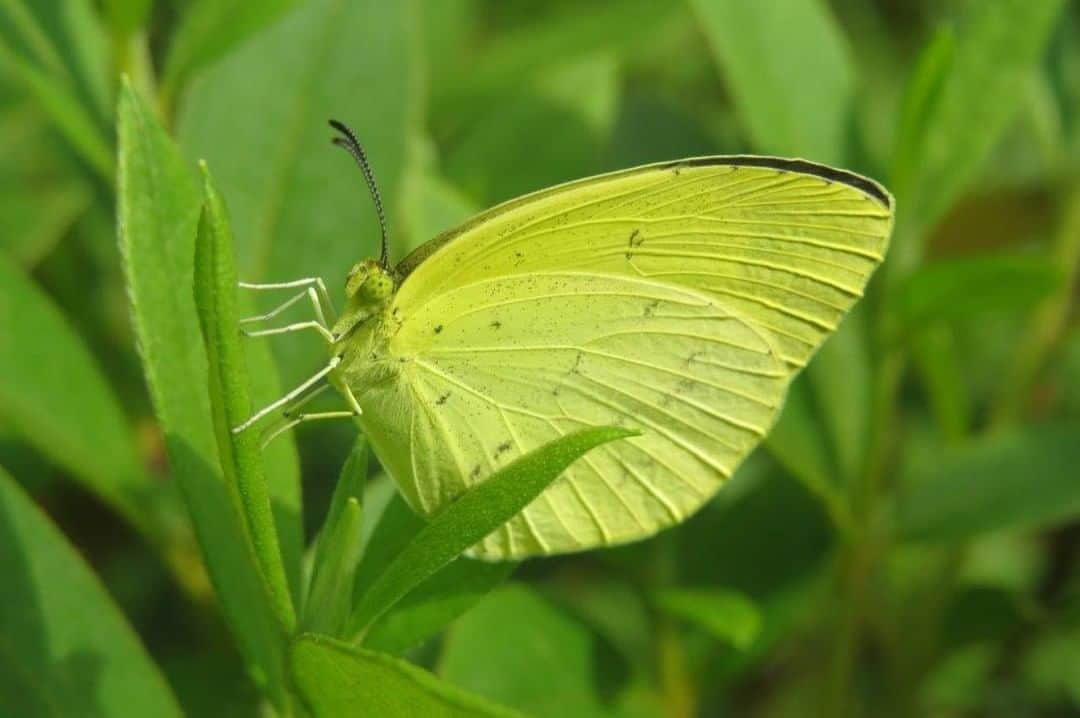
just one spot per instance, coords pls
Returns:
(368, 282)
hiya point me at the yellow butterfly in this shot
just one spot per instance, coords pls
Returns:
(677, 298)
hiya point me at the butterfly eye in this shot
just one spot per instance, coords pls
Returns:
(356, 278)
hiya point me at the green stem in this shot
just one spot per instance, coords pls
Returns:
(675, 682)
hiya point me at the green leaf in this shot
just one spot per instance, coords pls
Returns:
(923, 87)
(1021, 479)
(336, 680)
(492, 165)
(961, 289)
(59, 51)
(299, 206)
(230, 401)
(158, 214)
(35, 217)
(40, 195)
(517, 648)
(437, 600)
(578, 97)
(211, 28)
(432, 205)
(337, 550)
(473, 516)
(936, 355)
(799, 445)
(789, 69)
(515, 57)
(54, 394)
(977, 99)
(726, 615)
(126, 16)
(67, 649)
(841, 376)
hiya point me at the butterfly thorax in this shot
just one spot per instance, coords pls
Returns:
(366, 323)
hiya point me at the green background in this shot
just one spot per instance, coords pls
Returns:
(905, 543)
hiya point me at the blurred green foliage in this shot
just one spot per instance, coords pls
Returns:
(906, 543)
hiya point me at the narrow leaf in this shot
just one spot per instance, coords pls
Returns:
(433, 603)
(54, 394)
(158, 213)
(230, 402)
(516, 57)
(923, 87)
(1021, 479)
(437, 601)
(841, 377)
(789, 69)
(42, 197)
(475, 515)
(337, 551)
(59, 50)
(336, 680)
(976, 101)
(67, 648)
(209, 29)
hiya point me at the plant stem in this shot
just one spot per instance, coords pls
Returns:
(675, 681)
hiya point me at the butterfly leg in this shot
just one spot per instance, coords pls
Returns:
(301, 418)
(278, 309)
(350, 398)
(315, 290)
(326, 333)
(292, 395)
(290, 411)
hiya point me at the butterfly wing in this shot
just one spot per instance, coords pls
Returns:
(678, 298)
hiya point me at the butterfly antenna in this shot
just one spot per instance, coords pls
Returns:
(349, 142)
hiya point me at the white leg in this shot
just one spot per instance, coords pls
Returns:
(314, 283)
(290, 411)
(305, 417)
(351, 399)
(275, 311)
(288, 397)
(326, 334)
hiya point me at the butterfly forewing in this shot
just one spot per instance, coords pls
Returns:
(679, 299)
